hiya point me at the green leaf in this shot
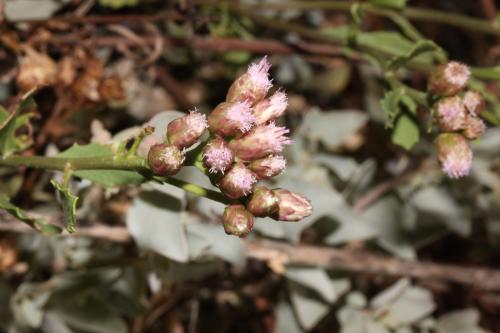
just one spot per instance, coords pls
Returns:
(10, 123)
(69, 201)
(391, 43)
(38, 224)
(107, 178)
(406, 132)
(390, 106)
(420, 47)
(398, 4)
(155, 222)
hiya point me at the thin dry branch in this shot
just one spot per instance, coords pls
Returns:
(328, 257)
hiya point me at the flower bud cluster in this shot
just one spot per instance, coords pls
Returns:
(457, 116)
(246, 147)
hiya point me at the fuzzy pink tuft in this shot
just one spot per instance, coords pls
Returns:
(241, 114)
(196, 121)
(274, 165)
(457, 73)
(451, 113)
(275, 136)
(259, 74)
(242, 178)
(217, 157)
(456, 168)
(271, 108)
(473, 102)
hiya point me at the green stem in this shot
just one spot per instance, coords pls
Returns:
(105, 163)
(80, 163)
(412, 13)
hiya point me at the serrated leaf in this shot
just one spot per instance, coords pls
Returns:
(69, 201)
(38, 224)
(107, 178)
(406, 132)
(397, 4)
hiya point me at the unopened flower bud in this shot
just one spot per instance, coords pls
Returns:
(217, 156)
(474, 127)
(292, 207)
(474, 102)
(268, 167)
(263, 202)
(450, 114)
(185, 131)
(454, 154)
(261, 141)
(253, 85)
(449, 79)
(237, 220)
(237, 182)
(165, 159)
(229, 119)
(270, 108)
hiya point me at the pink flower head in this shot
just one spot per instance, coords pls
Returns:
(456, 73)
(229, 119)
(268, 167)
(450, 112)
(260, 142)
(217, 156)
(474, 102)
(258, 74)
(474, 127)
(253, 85)
(185, 131)
(270, 108)
(449, 79)
(237, 182)
(454, 154)
(240, 114)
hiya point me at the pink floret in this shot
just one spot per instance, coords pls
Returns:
(259, 74)
(274, 165)
(243, 179)
(197, 121)
(275, 136)
(241, 114)
(218, 158)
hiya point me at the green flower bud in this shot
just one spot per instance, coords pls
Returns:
(165, 159)
(237, 220)
(263, 202)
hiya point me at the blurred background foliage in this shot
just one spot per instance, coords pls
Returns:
(393, 245)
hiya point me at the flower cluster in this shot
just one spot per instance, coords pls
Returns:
(457, 116)
(244, 147)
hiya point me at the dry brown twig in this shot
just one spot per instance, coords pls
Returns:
(328, 257)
